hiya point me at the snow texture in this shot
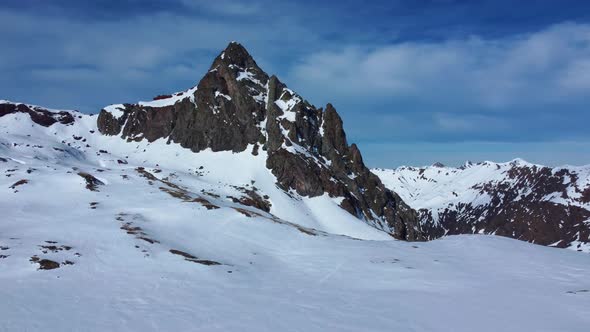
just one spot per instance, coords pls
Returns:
(129, 243)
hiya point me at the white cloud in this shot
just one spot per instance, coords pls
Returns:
(143, 42)
(548, 66)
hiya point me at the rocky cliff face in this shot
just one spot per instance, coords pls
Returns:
(238, 107)
(543, 205)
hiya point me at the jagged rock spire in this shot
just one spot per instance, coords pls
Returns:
(237, 106)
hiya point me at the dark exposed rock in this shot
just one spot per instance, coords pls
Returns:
(92, 183)
(160, 97)
(44, 264)
(191, 258)
(19, 183)
(237, 105)
(39, 115)
(108, 124)
(253, 199)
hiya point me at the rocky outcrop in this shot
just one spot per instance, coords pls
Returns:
(538, 204)
(238, 107)
(39, 115)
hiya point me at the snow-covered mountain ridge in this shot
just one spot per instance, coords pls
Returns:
(535, 203)
(133, 221)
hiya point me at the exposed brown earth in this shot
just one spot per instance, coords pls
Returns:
(191, 258)
(44, 264)
(19, 183)
(92, 183)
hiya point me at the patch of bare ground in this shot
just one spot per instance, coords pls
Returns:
(176, 194)
(53, 248)
(48, 264)
(205, 203)
(146, 175)
(136, 231)
(247, 213)
(194, 259)
(214, 195)
(44, 264)
(304, 230)
(19, 183)
(184, 196)
(307, 231)
(147, 239)
(2, 248)
(252, 198)
(174, 190)
(92, 183)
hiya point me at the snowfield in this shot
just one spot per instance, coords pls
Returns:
(152, 237)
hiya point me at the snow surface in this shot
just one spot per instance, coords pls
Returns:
(291, 270)
(116, 110)
(176, 97)
(292, 99)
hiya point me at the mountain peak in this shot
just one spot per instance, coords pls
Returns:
(238, 107)
(235, 54)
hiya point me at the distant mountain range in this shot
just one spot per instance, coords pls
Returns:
(534, 203)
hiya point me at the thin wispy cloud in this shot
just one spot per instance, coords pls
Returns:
(491, 74)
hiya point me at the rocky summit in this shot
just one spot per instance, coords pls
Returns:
(237, 107)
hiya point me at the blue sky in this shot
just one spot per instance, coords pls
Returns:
(415, 81)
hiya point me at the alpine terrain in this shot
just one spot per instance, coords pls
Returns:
(534, 203)
(238, 205)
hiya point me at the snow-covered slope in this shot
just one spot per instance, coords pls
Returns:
(549, 206)
(225, 179)
(146, 237)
